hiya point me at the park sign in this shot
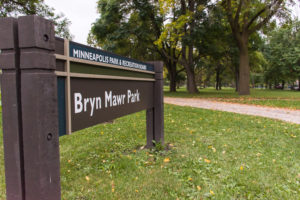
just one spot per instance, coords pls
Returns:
(53, 87)
(95, 86)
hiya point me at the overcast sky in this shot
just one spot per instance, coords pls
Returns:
(83, 13)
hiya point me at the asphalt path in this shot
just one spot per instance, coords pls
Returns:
(284, 114)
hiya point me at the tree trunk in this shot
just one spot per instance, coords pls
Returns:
(282, 85)
(172, 83)
(191, 82)
(217, 79)
(236, 78)
(299, 83)
(244, 69)
(172, 76)
(171, 67)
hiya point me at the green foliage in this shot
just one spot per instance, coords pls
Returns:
(15, 8)
(283, 53)
(124, 28)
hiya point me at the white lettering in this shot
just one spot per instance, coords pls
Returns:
(128, 96)
(108, 98)
(75, 53)
(78, 103)
(86, 100)
(98, 103)
(92, 102)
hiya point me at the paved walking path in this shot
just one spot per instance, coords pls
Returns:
(275, 113)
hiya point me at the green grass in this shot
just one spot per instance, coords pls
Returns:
(215, 155)
(263, 97)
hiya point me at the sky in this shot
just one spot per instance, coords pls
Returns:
(83, 13)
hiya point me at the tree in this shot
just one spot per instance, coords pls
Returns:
(15, 8)
(214, 43)
(245, 18)
(130, 28)
(282, 51)
(183, 29)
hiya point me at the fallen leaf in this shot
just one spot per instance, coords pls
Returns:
(112, 186)
(87, 178)
(166, 160)
(199, 188)
(258, 154)
(206, 160)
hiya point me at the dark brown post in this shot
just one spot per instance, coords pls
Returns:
(30, 119)
(39, 108)
(11, 111)
(155, 116)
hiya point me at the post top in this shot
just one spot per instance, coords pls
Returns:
(8, 33)
(158, 66)
(36, 32)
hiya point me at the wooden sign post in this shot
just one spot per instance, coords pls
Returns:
(52, 87)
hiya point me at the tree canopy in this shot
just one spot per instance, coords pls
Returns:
(211, 42)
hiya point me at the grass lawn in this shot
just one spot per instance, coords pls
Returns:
(263, 97)
(215, 155)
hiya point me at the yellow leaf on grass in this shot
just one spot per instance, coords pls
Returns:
(241, 168)
(206, 160)
(199, 187)
(112, 186)
(214, 149)
(166, 160)
(211, 192)
(87, 178)
(190, 179)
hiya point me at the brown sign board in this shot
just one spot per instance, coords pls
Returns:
(49, 86)
(96, 100)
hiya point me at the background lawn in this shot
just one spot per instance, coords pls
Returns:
(214, 155)
(264, 97)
